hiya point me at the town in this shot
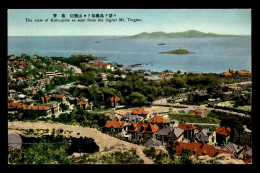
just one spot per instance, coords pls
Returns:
(94, 112)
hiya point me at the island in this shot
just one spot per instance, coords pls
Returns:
(184, 34)
(161, 44)
(178, 51)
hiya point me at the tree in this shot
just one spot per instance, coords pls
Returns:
(47, 153)
(136, 99)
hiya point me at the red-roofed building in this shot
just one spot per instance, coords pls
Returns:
(82, 105)
(159, 121)
(188, 130)
(114, 125)
(223, 135)
(16, 107)
(113, 101)
(199, 149)
(45, 98)
(233, 74)
(61, 97)
(101, 65)
(41, 110)
(140, 112)
(142, 131)
(30, 77)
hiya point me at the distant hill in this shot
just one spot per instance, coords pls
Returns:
(185, 34)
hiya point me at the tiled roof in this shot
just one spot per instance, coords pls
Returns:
(157, 119)
(199, 148)
(30, 76)
(82, 103)
(223, 130)
(45, 98)
(101, 64)
(146, 128)
(115, 123)
(114, 98)
(187, 126)
(140, 111)
(15, 105)
(20, 78)
(164, 75)
(60, 96)
(226, 74)
(244, 73)
(40, 108)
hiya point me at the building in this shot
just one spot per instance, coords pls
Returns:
(160, 121)
(61, 98)
(188, 130)
(41, 110)
(243, 139)
(142, 131)
(152, 142)
(236, 75)
(82, 105)
(102, 65)
(114, 125)
(113, 101)
(15, 107)
(140, 112)
(223, 135)
(200, 149)
(169, 134)
(206, 136)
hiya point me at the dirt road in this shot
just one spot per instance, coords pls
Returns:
(102, 140)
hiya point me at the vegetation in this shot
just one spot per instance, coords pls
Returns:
(170, 157)
(127, 157)
(178, 51)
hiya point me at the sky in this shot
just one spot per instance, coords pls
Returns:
(219, 21)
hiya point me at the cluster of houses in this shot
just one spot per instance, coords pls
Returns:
(236, 75)
(157, 131)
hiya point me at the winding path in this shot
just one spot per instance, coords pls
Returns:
(102, 140)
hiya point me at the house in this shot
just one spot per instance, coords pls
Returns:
(176, 134)
(129, 118)
(160, 121)
(188, 130)
(197, 96)
(30, 77)
(243, 139)
(113, 101)
(15, 107)
(114, 125)
(20, 79)
(206, 136)
(61, 98)
(142, 131)
(236, 149)
(45, 98)
(152, 142)
(82, 105)
(168, 133)
(33, 92)
(233, 74)
(223, 135)
(200, 149)
(101, 65)
(155, 79)
(140, 112)
(44, 110)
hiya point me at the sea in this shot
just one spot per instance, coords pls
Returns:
(213, 55)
